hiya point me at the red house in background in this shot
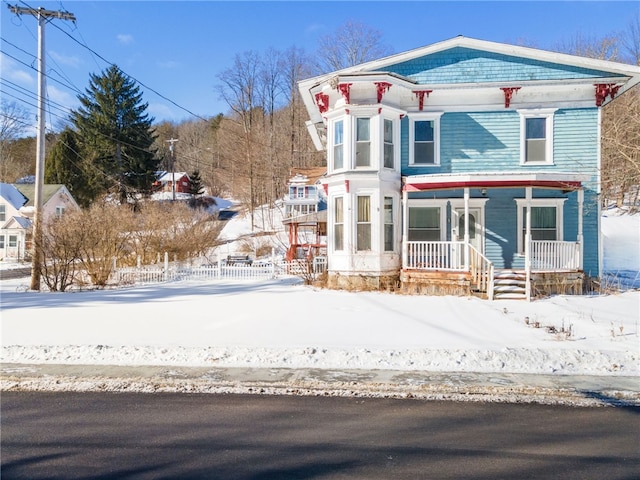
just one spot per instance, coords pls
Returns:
(164, 182)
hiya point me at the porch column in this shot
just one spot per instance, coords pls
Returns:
(527, 241)
(580, 237)
(405, 228)
(466, 229)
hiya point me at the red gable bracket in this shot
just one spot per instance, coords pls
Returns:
(604, 90)
(322, 100)
(382, 88)
(344, 89)
(508, 93)
(420, 94)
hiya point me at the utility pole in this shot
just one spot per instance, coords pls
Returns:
(173, 166)
(42, 15)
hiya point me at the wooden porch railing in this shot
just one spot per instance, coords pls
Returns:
(435, 255)
(482, 272)
(548, 255)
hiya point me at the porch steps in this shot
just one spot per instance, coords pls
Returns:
(509, 284)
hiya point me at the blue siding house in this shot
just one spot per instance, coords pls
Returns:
(464, 167)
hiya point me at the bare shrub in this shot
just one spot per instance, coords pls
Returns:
(60, 252)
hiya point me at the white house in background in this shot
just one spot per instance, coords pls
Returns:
(16, 214)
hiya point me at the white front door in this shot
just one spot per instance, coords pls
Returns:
(476, 229)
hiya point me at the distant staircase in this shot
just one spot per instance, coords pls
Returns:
(509, 284)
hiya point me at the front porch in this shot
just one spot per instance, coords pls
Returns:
(486, 242)
(457, 268)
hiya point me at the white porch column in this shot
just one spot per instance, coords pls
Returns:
(580, 237)
(527, 241)
(466, 229)
(405, 228)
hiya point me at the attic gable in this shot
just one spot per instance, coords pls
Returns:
(467, 65)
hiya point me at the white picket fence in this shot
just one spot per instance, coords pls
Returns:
(219, 271)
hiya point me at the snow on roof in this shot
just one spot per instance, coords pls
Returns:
(168, 176)
(12, 195)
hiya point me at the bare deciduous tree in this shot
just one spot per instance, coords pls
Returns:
(351, 44)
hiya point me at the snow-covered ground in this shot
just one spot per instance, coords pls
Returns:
(284, 324)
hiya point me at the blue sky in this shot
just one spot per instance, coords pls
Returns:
(177, 48)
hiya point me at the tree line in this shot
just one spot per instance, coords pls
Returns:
(110, 145)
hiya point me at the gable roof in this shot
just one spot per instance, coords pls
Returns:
(313, 174)
(164, 177)
(463, 61)
(12, 195)
(17, 222)
(48, 191)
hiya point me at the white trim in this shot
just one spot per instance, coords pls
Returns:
(421, 117)
(548, 115)
(497, 177)
(521, 203)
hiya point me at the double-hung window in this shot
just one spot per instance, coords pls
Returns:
(13, 241)
(424, 139)
(338, 223)
(363, 223)
(3, 212)
(363, 142)
(425, 224)
(536, 136)
(546, 220)
(388, 224)
(1, 241)
(338, 145)
(388, 153)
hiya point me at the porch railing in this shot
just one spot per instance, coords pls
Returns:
(435, 255)
(548, 255)
(482, 272)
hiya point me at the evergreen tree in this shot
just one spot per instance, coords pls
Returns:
(196, 187)
(116, 133)
(66, 165)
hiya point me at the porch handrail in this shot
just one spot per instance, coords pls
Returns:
(554, 255)
(482, 272)
(436, 255)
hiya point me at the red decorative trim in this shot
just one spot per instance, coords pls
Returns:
(568, 185)
(322, 101)
(379, 110)
(346, 185)
(402, 115)
(344, 88)
(346, 110)
(326, 188)
(603, 90)
(508, 93)
(420, 94)
(381, 88)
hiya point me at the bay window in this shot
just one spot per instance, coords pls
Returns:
(363, 223)
(338, 224)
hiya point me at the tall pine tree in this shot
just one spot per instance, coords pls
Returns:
(116, 134)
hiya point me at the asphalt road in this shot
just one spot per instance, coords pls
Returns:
(207, 436)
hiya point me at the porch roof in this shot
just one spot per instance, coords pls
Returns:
(446, 181)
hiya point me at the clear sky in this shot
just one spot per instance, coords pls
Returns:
(177, 48)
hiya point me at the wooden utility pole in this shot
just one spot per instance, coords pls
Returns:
(173, 166)
(42, 15)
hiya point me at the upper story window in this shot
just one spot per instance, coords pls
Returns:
(338, 145)
(59, 211)
(363, 142)
(424, 139)
(536, 136)
(389, 148)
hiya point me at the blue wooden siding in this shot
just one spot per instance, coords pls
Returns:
(466, 65)
(490, 142)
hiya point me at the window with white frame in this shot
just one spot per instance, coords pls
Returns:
(424, 139)
(388, 224)
(536, 136)
(363, 142)
(546, 220)
(1, 241)
(13, 241)
(389, 148)
(425, 223)
(338, 223)
(3, 212)
(59, 211)
(338, 144)
(363, 223)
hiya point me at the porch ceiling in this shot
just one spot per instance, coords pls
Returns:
(556, 180)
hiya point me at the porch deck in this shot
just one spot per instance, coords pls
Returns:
(456, 268)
